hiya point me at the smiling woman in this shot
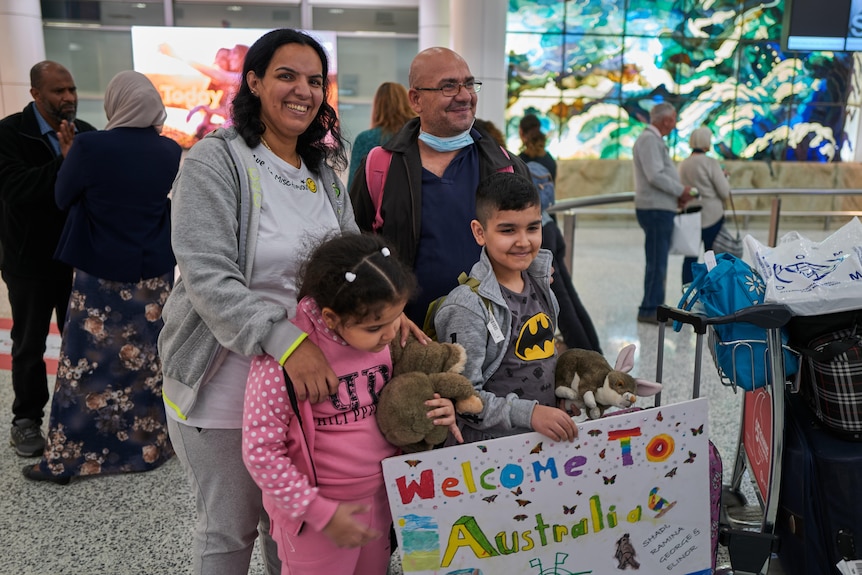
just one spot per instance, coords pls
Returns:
(245, 193)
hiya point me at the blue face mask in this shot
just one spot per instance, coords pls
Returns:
(449, 144)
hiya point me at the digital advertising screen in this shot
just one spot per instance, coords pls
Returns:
(198, 70)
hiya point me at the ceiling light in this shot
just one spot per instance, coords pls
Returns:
(234, 8)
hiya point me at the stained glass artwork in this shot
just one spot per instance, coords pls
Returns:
(592, 69)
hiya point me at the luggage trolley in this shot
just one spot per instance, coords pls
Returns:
(750, 543)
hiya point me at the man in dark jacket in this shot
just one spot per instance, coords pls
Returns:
(33, 144)
(438, 159)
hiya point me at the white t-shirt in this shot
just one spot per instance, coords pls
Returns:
(295, 216)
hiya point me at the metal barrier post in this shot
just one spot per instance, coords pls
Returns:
(774, 214)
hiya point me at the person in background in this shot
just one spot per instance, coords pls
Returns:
(319, 469)
(438, 159)
(248, 204)
(107, 415)
(658, 195)
(33, 145)
(534, 141)
(706, 175)
(576, 325)
(512, 304)
(389, 112)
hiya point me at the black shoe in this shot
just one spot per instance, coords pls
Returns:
(34, 473)
(27, 438)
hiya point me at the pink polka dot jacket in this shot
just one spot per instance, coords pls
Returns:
(305, 470)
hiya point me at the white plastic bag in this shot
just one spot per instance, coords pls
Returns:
(685, 239)
(812, 278)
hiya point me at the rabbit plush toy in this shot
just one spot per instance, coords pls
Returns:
(585, 379)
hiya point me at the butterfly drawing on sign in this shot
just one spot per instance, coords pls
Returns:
(671, 473)
(602, 454)
(569, 510)
(490, 498)
(517, 491)
(677, 424)
(413, 462)
(659, 417)
(609, 480)
(598, 470)
(595, 432)
(482, 448)
(691, 456)
(579, 492)
(519, 517)
(697, 430)
(537, 449)
(522, 502)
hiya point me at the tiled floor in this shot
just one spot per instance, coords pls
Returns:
(141, 523)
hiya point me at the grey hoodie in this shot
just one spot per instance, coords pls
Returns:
(465, 314)
(214, 227)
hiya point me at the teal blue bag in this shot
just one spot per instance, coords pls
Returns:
(730, 286)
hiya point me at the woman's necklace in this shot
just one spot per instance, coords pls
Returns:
(295, 164)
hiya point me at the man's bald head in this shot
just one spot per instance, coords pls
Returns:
(43, 68)
(54, 92)
(429, 59)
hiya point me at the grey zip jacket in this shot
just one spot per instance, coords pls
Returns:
(214, 227)
(464, 317)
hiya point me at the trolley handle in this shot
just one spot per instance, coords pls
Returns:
(764, 315)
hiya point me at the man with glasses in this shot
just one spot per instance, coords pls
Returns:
(435, 164)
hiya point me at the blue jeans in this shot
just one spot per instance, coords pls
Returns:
(658, 227)
(708, 236)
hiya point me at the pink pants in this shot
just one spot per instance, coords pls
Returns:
(313, 553)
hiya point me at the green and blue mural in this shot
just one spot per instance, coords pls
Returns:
(592, 69)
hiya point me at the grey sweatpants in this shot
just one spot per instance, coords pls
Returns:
(229, 506)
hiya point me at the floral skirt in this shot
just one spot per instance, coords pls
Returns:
(107, 413)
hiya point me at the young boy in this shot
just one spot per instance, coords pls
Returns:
(507, 324)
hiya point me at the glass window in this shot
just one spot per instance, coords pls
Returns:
(239, 15)
(368, 62)
(130, 13)
(363, 64)
(392, 20)
(92, 56)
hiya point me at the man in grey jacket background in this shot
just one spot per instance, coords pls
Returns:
(658, 195)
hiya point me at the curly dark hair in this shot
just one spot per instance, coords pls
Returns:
(378, 277)
(322, 141)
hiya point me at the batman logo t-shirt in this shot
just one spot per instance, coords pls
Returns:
(527, 369)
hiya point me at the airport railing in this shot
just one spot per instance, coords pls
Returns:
(601, 205)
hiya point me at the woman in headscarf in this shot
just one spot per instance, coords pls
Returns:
(107, 413)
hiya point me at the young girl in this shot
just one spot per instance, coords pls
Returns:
(318, 465)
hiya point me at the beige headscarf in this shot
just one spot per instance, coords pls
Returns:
(131, 101)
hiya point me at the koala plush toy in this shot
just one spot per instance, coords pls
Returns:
(419, 371)
(586, 379)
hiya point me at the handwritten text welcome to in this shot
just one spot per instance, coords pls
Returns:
(631, 492)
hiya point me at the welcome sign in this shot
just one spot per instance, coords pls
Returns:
(630, 493)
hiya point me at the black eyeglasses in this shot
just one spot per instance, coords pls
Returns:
(454, 88)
